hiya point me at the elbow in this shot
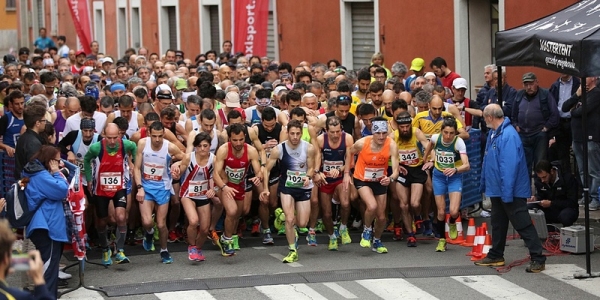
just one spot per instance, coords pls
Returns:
(467, 167)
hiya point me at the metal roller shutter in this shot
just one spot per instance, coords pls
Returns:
(122, 15)
(40, 15)
(172, 15)
(270, 37)
(363, 33)
(215, 30)
(135, 27)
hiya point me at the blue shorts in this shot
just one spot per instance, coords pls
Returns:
(442, 184)
(296, 193)
(159, 196)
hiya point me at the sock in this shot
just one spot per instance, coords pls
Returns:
(292, 247)
(102, 237)
(332, 237)
(226, 238)
(411, 234)
(441, 228)
(311, 229)
(163, 250)
(368, 228)
(452, 220)
(121, 237)
(343, 227)
(376, 240)
(150, 232)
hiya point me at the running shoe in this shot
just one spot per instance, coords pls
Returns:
(130, 238)
(378, 247)
(452, 232)
(166, 257)
(227, 247)
(333, 244)
(356, 224)
(172, 238)
(236, 242)
(106, 254)
(311, 238)
(255, 228)
(192, 253)
(267, 238)
(419, 227)
(390, 227)
(411, 241)
(121, 258)
(441, 247)
(139, 234)
(63, 276)
(149, 242)
(365, 240)
(490, 262)
(291, 257)
(397, 233)
(320, 228)
(535, 267)
(281, 231)
(427, 228)
(336, 232)
(200, 256)
(303, 231)
(279, 222)
(345, 236)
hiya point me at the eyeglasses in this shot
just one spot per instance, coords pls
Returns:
(343, 100)
(57, 160)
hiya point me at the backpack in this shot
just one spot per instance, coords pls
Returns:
(17, 210)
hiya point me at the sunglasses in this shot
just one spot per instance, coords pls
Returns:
(343, 100)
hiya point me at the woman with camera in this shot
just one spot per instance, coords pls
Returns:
(48, 227)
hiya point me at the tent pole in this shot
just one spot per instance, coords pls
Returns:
(586, 188)
(499, 88)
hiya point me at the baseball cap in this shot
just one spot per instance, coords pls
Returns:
(267, 85)
(181, 84)
(162, 87)
(201, 69)
(106, 60)
(179, 53)
(80, 52)
(48, 62)
(279, 89)
(23, 51)
(460, 83)
(232, 99)
(529, 77)
(417, 64)
(9, 58)
(95, 78)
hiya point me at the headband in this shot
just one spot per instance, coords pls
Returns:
(117, 87)
(87, 124)
(401, 121)
(379, 126)
(263, 101)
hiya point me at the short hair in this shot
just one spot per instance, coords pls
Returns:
(332, 121)
(423, 97)
(450, 121)
(376, 86)
(125, 101)
(202, 136)
(304, 74)
(156, 126)
(399, 104)
(151, 116)
(15, 95)
(236, 129)
(121, 122)
(233, 114)
(207, 90)
(194, 99)
(208, 114)
(366, 109)
(295, 123)
(268, 114)
(543, 165)
(493, 110)
(399, 67)
(364, 75)
(438, 62)
(168, 112)
(263, 93)
(298, 111)
(88, 104)
(294, 95)
(140, 93)
(32, 114)
(107, 101)
(381, 70)
(47, 77)
(285, 66)
(344, 86)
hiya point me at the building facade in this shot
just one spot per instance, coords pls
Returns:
(8, 25)
(461, 31)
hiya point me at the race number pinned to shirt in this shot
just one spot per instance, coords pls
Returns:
(445, 159)
(198, 188)
(153, 171)
(409, 157)
(295, 179)
(328, 166)
(373, 174)
(234, 175)
(79, 163)
(110, 181)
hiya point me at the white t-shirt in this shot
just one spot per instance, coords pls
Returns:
(460, 144)
(63, 51)
(73, 122)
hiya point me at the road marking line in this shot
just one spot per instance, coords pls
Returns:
(82, 293)
(259, 248)
(185, 295)
(280, 258)
(496, 287)
(340, 290)
(564, 273)
(395, 288)
(290, 291)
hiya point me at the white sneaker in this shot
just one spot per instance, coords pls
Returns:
(485, 214)
(357, 224)
(64, 276)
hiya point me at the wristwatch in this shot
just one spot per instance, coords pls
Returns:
(216, 189)
(139, 186)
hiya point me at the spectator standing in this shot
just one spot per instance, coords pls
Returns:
(44, 42)
(30, 141)
(562, 89)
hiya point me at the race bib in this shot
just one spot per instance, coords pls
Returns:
(79, 163)
(153, 171)
(445, 159)
(295, 179)
(328, 166)
(110, 181)
(373, 174)
(409, 157)
(198, 188)
(235, 176)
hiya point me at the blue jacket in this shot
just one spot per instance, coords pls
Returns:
(504, 172)
(52, 188)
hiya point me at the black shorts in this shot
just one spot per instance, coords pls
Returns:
(201, 202)
(297, 194)
(119, 200)
(376, 187)
(414, 175)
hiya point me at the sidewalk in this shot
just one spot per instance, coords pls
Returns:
(594, 217)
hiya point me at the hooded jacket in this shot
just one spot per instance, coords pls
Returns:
(52, 189)
(504, 170)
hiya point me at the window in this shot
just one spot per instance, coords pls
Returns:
(211, 35)
(136, 35)
(99, 24)
(172, 17)
(215, 41)
(362, 40)
(11, 5)
(122, 32)
(169, 24)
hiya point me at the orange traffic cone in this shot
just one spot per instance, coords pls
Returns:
(478, 245)
(469, 242)
(487, 245)
(459, 239)
(485, 229)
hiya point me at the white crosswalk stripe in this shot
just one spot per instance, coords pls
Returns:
(488, 286)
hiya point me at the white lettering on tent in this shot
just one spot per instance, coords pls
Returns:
(555, 48)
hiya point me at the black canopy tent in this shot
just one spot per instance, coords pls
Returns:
(567, 42)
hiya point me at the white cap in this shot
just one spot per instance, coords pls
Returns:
(162, 87)
(106, 59)
(460, 83)
(279, 89)
(232, 99)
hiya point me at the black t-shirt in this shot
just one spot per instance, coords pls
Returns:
(347, 124)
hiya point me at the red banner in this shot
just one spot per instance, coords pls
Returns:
(81, 21)
(250, 23)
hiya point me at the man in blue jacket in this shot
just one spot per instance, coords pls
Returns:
(505, 180)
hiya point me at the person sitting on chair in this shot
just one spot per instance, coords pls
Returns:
(555, 193)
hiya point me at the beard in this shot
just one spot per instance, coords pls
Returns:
(406, 136)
